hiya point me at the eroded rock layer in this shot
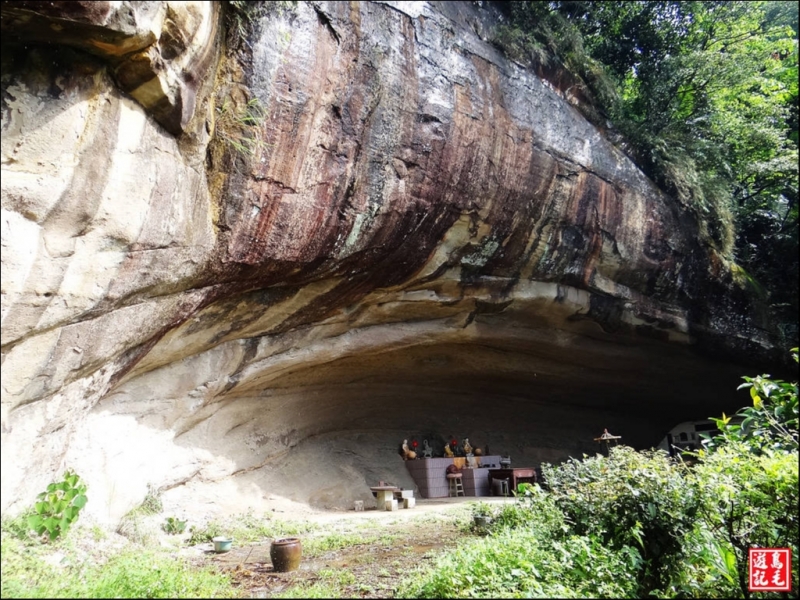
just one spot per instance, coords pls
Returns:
(394, 232)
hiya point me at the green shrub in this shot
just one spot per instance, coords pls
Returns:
(749, 500)
(535, 509)
(629, 499)
(518, 563)
(58, 507)
(205, 533)
(747, 479)
(482, 509)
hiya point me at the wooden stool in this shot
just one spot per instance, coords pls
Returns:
(455, 485)
(500, 487)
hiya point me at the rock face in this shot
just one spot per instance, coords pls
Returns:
(244, 275)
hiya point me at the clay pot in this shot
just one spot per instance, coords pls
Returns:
(477, 452)
(411, 455)
(285, 554)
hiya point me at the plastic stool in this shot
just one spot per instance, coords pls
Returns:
(455, 485)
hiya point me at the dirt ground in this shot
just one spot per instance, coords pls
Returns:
(378, 547)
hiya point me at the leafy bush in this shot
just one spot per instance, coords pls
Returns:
(58, 507)
(534, 509)
(518, 563)
(482, 509)
(205, 533)
(628, 499)
(747, 478)
(748, 500)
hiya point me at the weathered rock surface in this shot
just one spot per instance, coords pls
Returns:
(424, 240)
(159, 52)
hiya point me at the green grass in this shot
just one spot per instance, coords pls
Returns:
(247, 527)
(314, 590)
(151, 505)
(238, 125)
(134, 572)
(16, 527)
(339, 577)
(315, 546)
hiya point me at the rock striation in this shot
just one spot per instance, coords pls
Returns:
(242, 269)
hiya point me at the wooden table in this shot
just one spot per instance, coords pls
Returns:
(513, 475)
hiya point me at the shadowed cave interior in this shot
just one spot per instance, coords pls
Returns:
(322, 432)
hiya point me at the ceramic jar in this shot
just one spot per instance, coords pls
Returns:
(285, 554)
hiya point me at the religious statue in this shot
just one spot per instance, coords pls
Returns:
(467, 447)
(427, 451)
(454, 447)
(408, 453)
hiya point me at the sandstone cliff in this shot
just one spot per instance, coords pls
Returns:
(412, 236)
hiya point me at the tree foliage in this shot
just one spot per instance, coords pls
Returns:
(704, 95)
(770, 424)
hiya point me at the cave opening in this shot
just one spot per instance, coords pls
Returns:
(323, 431)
